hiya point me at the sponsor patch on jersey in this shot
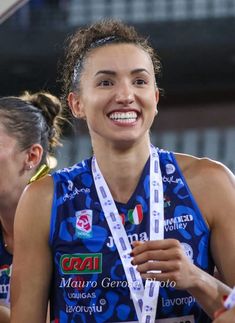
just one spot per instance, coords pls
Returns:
(170, 169)
(84, 223)
(136, 216)
(81, 263)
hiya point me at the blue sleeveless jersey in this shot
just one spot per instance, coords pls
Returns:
(5, 273)
(88, 283)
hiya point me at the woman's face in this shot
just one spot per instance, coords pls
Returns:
(11, 165)
(118, 94)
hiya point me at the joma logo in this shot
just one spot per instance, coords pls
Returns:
(81, 263)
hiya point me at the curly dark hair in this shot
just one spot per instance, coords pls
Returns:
(99, 34)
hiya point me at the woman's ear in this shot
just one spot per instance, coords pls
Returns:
(33, 156)
(76, 106)
(157, 100)
(157, 95)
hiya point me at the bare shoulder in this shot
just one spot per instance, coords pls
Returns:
(43, 185)
(35, 204)
(32, 253)
(204, 168)
(211, 183)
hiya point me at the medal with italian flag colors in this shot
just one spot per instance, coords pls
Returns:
(136, 216)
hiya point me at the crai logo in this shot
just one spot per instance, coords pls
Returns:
(81, 263)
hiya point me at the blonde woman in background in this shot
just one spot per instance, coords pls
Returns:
(29, 130)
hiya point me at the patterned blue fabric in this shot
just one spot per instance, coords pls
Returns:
(89, 284)
(5, 273)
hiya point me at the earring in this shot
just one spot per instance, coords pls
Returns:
(29, 166)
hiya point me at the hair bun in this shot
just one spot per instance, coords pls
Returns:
(51, 108)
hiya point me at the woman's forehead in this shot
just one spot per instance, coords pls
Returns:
(117, 57)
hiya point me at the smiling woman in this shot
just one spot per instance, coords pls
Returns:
(150, 221)
(124, 96)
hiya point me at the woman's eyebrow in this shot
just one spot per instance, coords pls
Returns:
(139, 70)
(110, 72)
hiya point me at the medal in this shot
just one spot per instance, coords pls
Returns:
(144, 299)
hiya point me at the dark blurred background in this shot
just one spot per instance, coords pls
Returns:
(195, 40)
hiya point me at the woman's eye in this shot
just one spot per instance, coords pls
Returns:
(105, 83)
(140, 82)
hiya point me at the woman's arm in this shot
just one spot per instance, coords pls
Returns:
(213, 186)
(225, 316)
(32, 265)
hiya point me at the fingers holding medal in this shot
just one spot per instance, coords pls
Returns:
(164, 261)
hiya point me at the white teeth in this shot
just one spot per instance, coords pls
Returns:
(126, 117)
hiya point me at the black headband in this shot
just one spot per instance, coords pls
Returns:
(94, 44)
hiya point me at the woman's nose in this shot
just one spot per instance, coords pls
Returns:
(125, 94)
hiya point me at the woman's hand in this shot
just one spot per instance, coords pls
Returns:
(166, 256)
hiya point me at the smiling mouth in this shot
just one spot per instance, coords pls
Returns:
(124, 117)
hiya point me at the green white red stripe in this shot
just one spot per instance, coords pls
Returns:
(136, 216)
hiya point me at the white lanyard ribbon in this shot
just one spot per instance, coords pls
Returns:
(144, 299)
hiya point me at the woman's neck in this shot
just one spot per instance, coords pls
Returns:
(7, 215)
(122, 168)
(8, 205)
(6, 224)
